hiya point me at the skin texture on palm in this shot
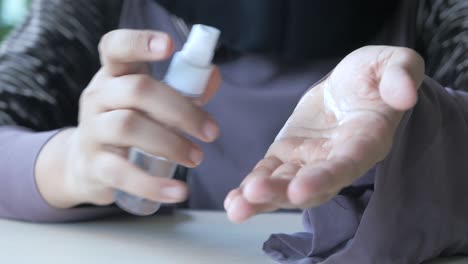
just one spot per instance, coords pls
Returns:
(338, 131)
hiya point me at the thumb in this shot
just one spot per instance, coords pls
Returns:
(401, 78)
(123, 51)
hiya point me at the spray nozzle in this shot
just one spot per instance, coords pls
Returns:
(201, 44)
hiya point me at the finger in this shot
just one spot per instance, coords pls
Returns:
(266, 191)
(271, 188)
(121, 49)
(116, 172)
(286, 171)
(264, 168)
(158, 101)
(299, 150)
(319, 181)
(212, 87)
(316, 183)
(240, 209)
(402, 76)
(126, 128)
(231, 195)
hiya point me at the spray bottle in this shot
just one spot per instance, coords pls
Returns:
(188, 73)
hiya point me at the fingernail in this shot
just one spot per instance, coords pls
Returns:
(210, 130)
(159, 44)
(196, 156)
(175, 193)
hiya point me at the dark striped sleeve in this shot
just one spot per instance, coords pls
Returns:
(48, 60)
(443, 40)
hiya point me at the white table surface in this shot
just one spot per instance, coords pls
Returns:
(190, 237)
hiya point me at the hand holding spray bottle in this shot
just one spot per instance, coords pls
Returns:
(188, 73)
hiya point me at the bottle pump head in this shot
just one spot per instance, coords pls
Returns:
(201, 44)
(190, 69)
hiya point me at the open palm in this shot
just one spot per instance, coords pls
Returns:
(338, 131)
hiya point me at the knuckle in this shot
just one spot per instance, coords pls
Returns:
(86, 135)
(142, 87)
(177, 113)
(138, 89)
(106, 197)
(108, 167)
(116, 180)
(125, 123)
(103, 42)
(88, 95)
(200, 115)
(265, 165)
(152, 193)
(93, 89)
(109, 42)
(136, 40)
(415, 56)
(122, 43)
(407, 52)
(191, 119)
(176, 147)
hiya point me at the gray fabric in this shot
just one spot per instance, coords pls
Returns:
(418, 208)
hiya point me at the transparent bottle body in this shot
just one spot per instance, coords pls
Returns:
(155, 166)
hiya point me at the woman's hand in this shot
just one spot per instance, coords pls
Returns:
(338, 131)
(125, 107)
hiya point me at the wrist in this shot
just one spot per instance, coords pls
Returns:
(51, 171)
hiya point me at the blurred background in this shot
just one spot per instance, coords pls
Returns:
(11, 13)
